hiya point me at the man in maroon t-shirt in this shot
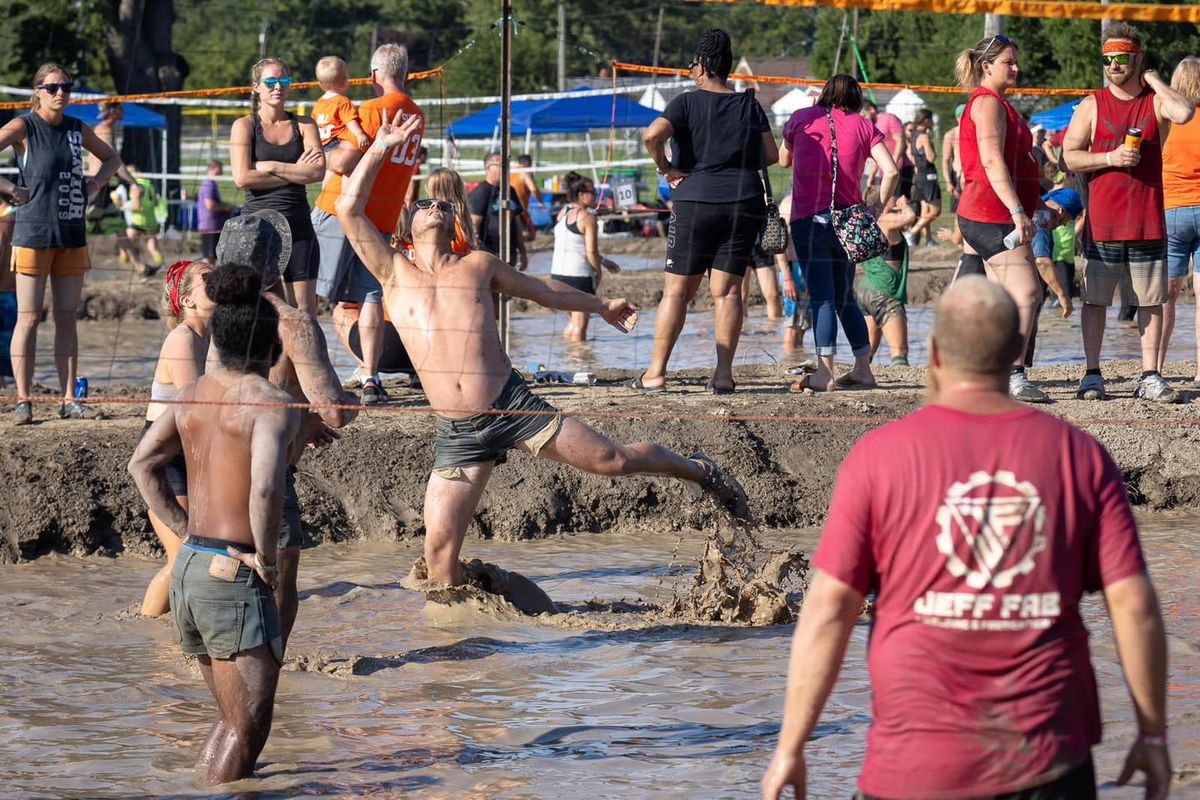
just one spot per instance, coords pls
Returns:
(979, 548)
(1123, 234)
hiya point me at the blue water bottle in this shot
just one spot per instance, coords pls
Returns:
(81, 388)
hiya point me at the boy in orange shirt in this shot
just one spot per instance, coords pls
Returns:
(334, 112)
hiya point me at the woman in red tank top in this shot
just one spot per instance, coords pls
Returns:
(1000, 187)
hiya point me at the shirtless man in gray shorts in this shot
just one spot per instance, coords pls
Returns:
(238, 438)
(441, 305)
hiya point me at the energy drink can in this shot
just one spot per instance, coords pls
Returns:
(1133, 138)
(81, 388)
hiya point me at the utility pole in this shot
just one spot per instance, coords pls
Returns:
(506, 242)
(374, 38)
(562, 45)
(993, 25)
(837, 57)
(854, 43)
(1103, 22)
(658, 36)
(262, 37)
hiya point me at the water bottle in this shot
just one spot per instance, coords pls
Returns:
(81, 388)
(584, 379)
(1013, 240)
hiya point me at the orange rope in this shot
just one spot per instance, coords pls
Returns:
(916, 87)
(203, 93)
(1139, 12)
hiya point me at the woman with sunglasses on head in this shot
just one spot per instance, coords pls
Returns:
(275, 154)
(577, 260)
(1001, 188)
(49, 236)
(187, 309)
(720, 139)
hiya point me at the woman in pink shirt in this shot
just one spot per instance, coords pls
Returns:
(827, 270)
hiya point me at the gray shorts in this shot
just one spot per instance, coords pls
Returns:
(488, 437)
(1106, 263)
(342, 277)
(879, 306)
(220, 618)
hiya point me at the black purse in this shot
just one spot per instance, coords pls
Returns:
(774, 237)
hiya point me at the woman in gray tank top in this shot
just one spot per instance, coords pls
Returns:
(274, 155)
(49, 239)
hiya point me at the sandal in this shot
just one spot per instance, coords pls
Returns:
(638, 386)
(802, 385)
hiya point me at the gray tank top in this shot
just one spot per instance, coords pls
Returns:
(52, 169)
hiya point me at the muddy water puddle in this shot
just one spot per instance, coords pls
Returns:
(456, 704)
(125, 351)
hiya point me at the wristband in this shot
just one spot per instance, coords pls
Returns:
(1152, 741)
(1108, 158)
(381, 145)
(1012, 212)
(262, 566)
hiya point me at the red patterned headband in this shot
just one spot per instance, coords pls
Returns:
(175, 274)
(1115, 46)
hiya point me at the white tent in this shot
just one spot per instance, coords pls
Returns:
(653, 98)
(797, 98)
(905, 104)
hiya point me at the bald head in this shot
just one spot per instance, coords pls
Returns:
(976, 328)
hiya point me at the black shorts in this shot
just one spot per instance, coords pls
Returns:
(392, 355)
(175, 470)
(720, 236)
(929, 190)
(985, 238)
(305, 260)
(577, 282)
(1078, 784)
(906, 180)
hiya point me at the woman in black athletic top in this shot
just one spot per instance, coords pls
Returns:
(274, 155)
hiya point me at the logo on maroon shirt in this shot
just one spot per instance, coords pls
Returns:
(990, 529)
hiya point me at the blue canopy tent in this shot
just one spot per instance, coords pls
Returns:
(1058, 118)
(565, 115)
(136, 116)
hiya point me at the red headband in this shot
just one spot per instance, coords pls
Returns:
(174, 278)
(1115, 46)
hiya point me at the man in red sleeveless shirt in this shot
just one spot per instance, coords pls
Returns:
(979, 549)
(1124, 231)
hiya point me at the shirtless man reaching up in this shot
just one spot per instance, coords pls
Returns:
(441, 305)
(237, 450)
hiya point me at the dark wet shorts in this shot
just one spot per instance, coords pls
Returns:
(881, 307)
(1078, 784)
(216, 617)
(291, 529)
(985, 238)
(175, 469)
(8, 323)
(489, 436)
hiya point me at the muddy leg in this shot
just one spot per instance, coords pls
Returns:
(583, 448)
(245, 690)
(449, 504)
(287, 598)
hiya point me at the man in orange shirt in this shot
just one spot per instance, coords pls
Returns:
(342, 277)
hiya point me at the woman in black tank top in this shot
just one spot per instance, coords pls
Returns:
(274, 155)
(49, 242)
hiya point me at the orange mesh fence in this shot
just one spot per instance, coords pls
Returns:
(916, 87)
(1132, 12)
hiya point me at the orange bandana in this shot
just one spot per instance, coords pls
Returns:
(1116, 46)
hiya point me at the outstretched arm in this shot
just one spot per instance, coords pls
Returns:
(621, 314)
(156, 448)
(367, 241)
(305, 347)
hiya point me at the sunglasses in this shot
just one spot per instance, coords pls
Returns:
(693, 64)
(441, 205)
(1121, 58)
(55, 88)
(272, 82)
(1000, 39)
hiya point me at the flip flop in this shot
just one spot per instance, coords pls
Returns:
(800, 386)
(712, 388)
(638, 386)
(847, 382)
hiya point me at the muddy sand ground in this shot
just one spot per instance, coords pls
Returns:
(67, 489)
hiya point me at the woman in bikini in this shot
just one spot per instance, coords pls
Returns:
(187, 309)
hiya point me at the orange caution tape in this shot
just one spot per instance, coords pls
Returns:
(204, 93)
(916, 87)
(1133, 12)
